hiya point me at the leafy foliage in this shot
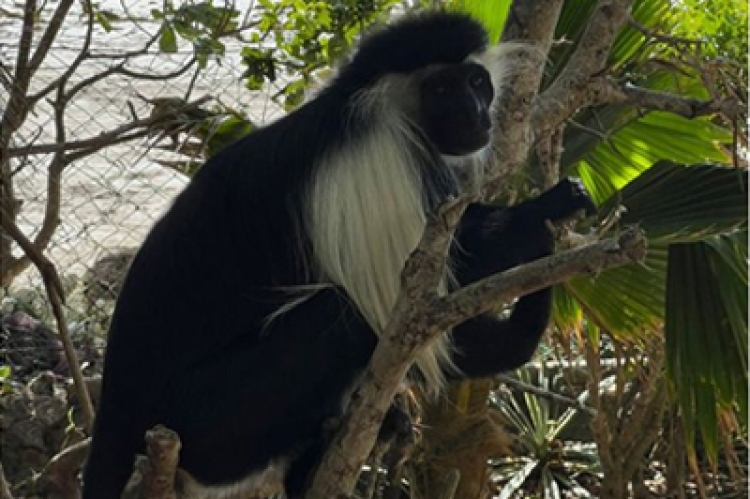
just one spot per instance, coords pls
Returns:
(706, 331)
(298, 39)
(201, 24)
(548, 464)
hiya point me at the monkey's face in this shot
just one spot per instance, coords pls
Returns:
(455, 108)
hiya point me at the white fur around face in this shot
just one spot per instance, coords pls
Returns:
(367, 207)
(367, 215)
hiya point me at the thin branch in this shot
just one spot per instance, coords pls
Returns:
(56, 83)
(53, 28)
(88, 55)
(128, 54)
(662, 37)
(157, 77)
(540, 392)
(607, 90)
(56, 295)
(483, 295)
(103, 138)
(87, 151)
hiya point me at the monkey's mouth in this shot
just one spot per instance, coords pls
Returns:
(465, 142)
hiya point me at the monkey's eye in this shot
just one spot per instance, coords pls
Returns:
(476, 80)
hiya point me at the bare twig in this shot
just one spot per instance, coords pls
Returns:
(663, 37)
(607, 90)
(56, 295)
(105, 138)
(592, 259)
(540, 392)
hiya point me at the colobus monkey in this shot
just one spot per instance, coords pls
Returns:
(256, 301)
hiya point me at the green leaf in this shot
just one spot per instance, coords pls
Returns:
(627, 299)
(168, 40)
(672, 203)
(515, 483)
(566, 312)
(631, 150)
(706, 332)
(105, 18)
(491, 13)
(677, 203)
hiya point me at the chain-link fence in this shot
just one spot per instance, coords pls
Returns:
(110, 196)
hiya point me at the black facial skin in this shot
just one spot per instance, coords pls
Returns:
(454, 108)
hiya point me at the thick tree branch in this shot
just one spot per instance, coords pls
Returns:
(163, 449)
(568, 92)
(408, 330)
(532, 24)
(549, 150)
(420, 315)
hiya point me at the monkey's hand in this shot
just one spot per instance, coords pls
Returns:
(565, 200)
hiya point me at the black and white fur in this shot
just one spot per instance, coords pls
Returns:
(256, 301)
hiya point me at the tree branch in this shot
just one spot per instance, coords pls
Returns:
(568, 92)
(549, 150)
(606, 90)
(53, 28)
(420, 315)
(540, 392)
(56, 295)
(105, 138)
(163, 449)
(532, 23)
(483, 295)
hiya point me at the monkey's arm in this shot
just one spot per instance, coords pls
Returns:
(493, 239)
